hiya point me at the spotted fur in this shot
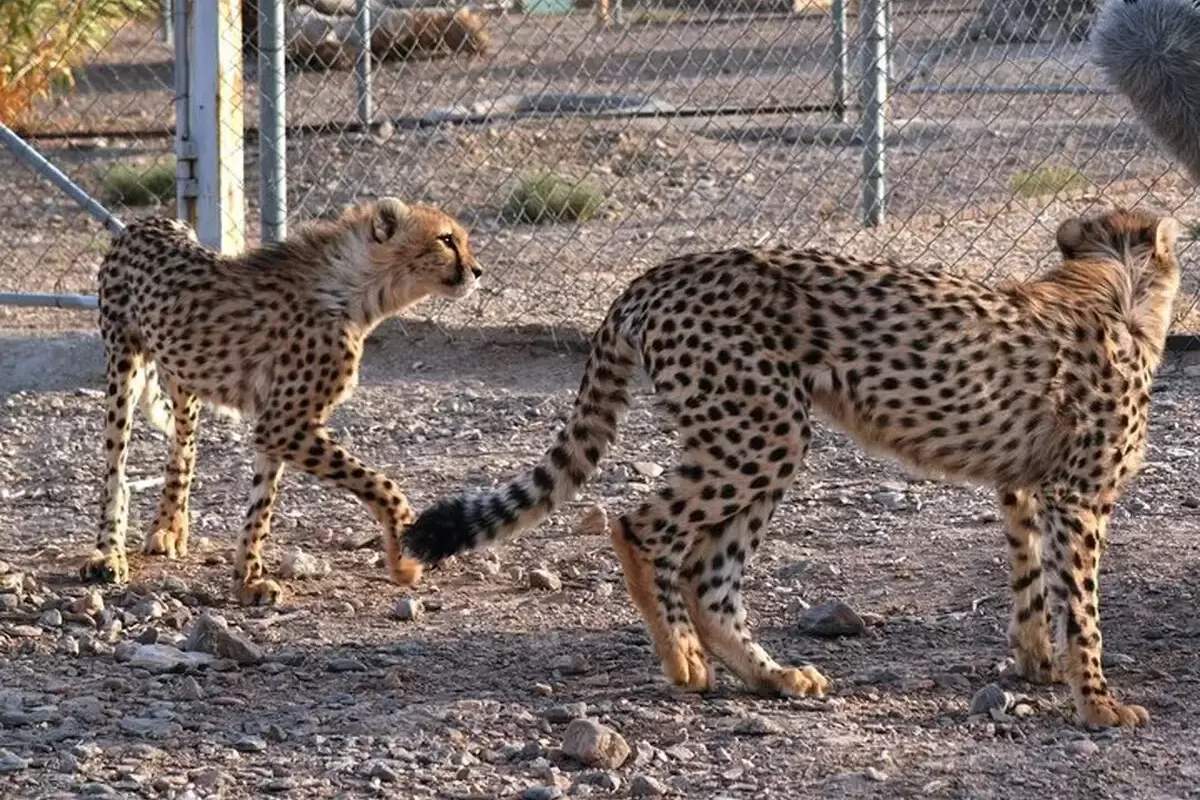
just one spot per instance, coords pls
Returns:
(275, 334)
(1039, 388)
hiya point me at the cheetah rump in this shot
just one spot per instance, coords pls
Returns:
(1039, 389)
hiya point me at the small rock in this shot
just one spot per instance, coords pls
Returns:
(68, 646)
(299, 565)
(162, 658)
(990, 697)
(601, 779)
(645, 786)
(148, 636)
(757, 725)
(9, 602)
(544, 579)
(210, 634)
(566, 713)
(832, 619)
(11, 762)
(648, 469)
(570, 664)
(378, 768)
(542, 793)
(594, 744)
(148, 610)
(190, 689)
(680, 752)
(874, 774)
(1110, 660)
(150, 728)
(250, 744)
(644, 753)
(345, 664)
(52, 618)
(408, 609)
(891, 500)
(1084, 748)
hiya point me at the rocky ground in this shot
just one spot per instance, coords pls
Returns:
(524, 672)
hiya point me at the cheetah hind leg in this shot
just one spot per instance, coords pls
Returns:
(679, 649)
(713, 597)
(1029, 627)
(109, 563)
(170, 533)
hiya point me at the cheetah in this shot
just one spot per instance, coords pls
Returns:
(1038, 389)
(275, 335)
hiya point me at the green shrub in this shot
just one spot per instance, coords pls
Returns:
(1046, 180)
(136, 185)
(549, 197)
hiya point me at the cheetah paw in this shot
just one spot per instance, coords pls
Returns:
(166, 542)
(687, 667)
(1106, 712)
(101, 568)
(258, 592)
(406, 571)
(800, 682)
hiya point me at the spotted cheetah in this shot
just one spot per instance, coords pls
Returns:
(276, 335)
(1039, 389)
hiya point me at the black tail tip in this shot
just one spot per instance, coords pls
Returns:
(440, 532)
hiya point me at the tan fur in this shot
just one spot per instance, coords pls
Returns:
(275, 334)
(1040, 389)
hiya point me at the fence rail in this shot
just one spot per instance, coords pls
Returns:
(953, 133)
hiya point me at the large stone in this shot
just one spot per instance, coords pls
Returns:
(832, 619)
(162, 658)
(595, 745)
(210, 634)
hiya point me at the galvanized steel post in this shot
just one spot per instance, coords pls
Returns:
(873, 122)
(362, 65)
(841, 59)
(209, 127)
(272, 138)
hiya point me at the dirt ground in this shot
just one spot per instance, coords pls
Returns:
(337, 697)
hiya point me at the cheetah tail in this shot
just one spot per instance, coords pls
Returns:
(1150, 51)
(468, 522)
(150, 398)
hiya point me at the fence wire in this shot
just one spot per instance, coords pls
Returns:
(668, 126)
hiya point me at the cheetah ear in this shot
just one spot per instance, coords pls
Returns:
(1070, 236)
(388, 213)
(1165, 232)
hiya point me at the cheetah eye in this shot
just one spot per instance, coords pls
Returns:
(447, 239)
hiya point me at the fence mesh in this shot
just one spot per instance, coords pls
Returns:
(684, 125)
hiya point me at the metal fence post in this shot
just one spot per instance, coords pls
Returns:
(841, 59)
(168, 22)
(873, 123)
(209, 135)
(362, 65)
(272, 132)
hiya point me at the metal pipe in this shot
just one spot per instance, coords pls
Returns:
(272, 90)
(36, 161)
(37, 300)
(185, 156)
(841, 59)
(873, 124)
(362, 65)
(168, 22)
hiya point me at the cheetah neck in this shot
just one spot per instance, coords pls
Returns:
(351, 286)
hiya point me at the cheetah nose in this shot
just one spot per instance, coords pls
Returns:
(476, 271)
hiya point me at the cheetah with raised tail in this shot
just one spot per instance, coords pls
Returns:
(276, 335)
(1039, 389)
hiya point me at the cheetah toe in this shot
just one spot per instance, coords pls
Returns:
(165, 542)
(100, 568)
(800, 682)
(687, 667)
(259, 592)
(1106, 712)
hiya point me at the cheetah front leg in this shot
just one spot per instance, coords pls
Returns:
(169, 537)
(249, 584)
(311, 450)
(1029, 627)
(1073, 566)
(109, 563)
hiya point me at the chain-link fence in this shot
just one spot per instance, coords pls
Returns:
(648, 128)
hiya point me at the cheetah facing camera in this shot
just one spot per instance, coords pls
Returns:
(1039, 389)
(275, 334)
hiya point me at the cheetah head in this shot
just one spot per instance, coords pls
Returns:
(419, 250)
